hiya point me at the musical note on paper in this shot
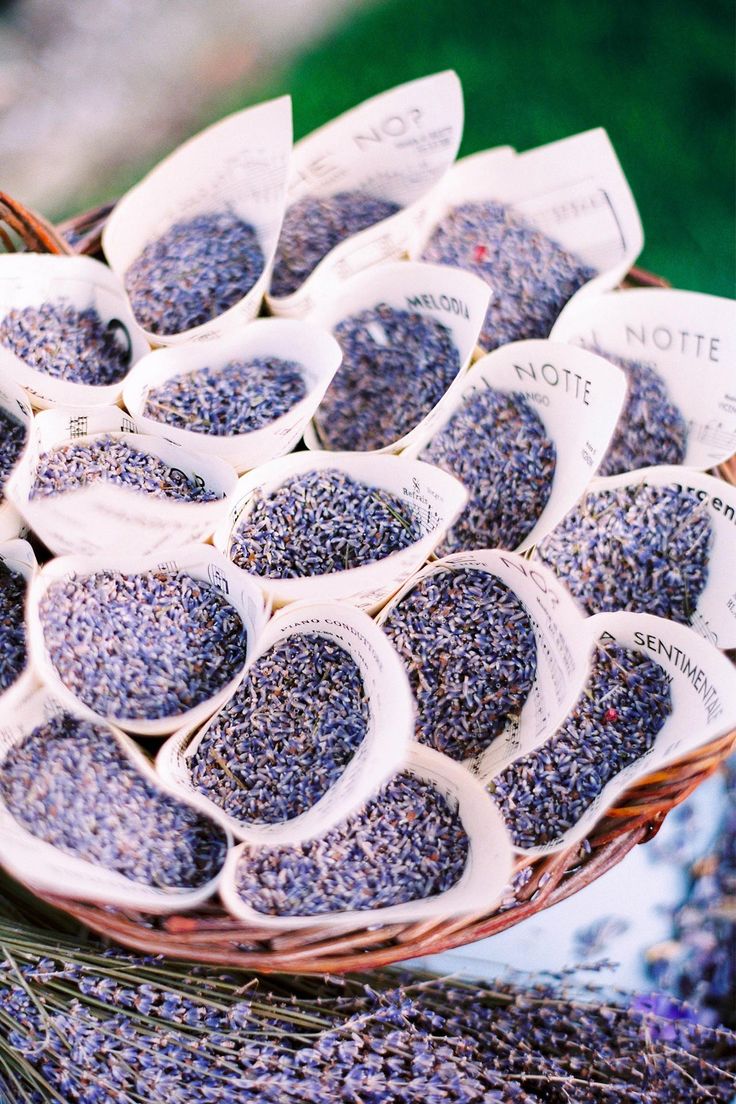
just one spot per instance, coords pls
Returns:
(78, 427)
(700, 624)
(714, 435)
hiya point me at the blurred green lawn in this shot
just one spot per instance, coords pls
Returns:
(657, 74)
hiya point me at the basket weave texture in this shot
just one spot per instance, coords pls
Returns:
(209, 935)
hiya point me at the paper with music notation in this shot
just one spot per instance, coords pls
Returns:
(687, 337)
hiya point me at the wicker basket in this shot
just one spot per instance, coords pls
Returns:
(210, 935)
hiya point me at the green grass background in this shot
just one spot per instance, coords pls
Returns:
(657, 74)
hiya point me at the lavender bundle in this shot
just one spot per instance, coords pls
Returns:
(80, 1025)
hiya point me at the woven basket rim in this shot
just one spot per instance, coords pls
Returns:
(212, 936)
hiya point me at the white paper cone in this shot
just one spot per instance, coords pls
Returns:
(199, 561)
(703, 703)
(451, 297)
(715, 610)
(578, 399)
(313, 348)
(31, 279)
(12, 525)
(688, 338)
(382, 751)
(395, 146)
(563, 653)
(239, 164)
(436, 496)
(48, 869)
(574, 191)
(106, 517)
(481, 884)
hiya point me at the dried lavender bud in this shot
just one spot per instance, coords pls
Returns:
(314, 225)
(143, 646)
(193, 272)
(471, 655)
(70, 784)
(368, 861)
(288, 733)
(625, 703)
(531, 275)
(396, 366)
(650, 429)
(498, 447)
(321, 522)
(109, 459)
(239, 398)
(68, 344)
(639, 548)
(12, 626)
(12, 439)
